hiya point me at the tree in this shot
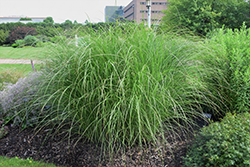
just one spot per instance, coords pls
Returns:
(202, 16)
(67, 24)
(49, 20)
(21, 33)
(3, 36)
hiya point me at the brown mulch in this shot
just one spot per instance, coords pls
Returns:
(27, 143)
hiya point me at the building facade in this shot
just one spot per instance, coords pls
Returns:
(113, 13)
(137, 11)
(17, 19)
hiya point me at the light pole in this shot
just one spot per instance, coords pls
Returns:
(148, 5)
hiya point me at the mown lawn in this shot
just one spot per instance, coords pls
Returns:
(22, 53)
(25, 68)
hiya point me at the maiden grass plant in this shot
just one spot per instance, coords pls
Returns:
(125, 86)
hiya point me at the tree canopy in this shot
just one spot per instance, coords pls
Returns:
(202, 16)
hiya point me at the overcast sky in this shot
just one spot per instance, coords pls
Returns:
(60, 10)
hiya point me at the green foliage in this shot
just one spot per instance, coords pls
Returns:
(14, 45)
(237, 49)
(9, 76)
(49, 20)
(25, 19)
(15, 97)
(17, 162)
(3, 36)
(20, 43)
(125, 86)
(30, 40)
(202, 16)
(224, 143)
(43, 44)
(21, 33)
(58, 39)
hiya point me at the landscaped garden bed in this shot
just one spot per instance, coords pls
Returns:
(126, 97)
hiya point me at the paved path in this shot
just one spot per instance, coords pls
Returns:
(18, 61)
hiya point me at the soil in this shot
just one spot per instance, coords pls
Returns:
(54, 149)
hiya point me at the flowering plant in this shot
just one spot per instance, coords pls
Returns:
(15, 98)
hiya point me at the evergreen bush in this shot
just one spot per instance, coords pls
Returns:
(224, 143)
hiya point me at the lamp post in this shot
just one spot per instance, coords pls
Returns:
(148, 5)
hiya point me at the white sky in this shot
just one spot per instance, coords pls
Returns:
(60, 10)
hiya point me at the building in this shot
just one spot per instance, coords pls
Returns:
(17, 19)
(113, 13)
(138, 12)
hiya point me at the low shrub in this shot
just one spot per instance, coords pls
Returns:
(30, 40)
(14, 45)
(15, 97)
(224, 143)
(20, 43)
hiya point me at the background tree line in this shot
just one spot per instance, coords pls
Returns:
(204, 16)
(10, 32)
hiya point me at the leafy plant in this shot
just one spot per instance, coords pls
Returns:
(15, 97)
(20, 43)
(202, 16)
(30, 40)
(3, 36)
(224, 143)
(14, 45)
(21, 33)
(236, 45)
(25, 19)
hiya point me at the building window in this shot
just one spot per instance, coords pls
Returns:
(145, 11)
(129, 9)
(143, 3)
(159, 3)
(156, 11)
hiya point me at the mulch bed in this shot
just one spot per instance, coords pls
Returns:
(25, 144)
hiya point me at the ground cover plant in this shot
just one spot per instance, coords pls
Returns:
(122, 87)
(224, 143)
(22, 53)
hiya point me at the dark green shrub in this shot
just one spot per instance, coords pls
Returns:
(20, 43)
(225, 143)
(30, 40)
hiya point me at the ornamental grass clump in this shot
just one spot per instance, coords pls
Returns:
(224, 143)
(125, 86)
